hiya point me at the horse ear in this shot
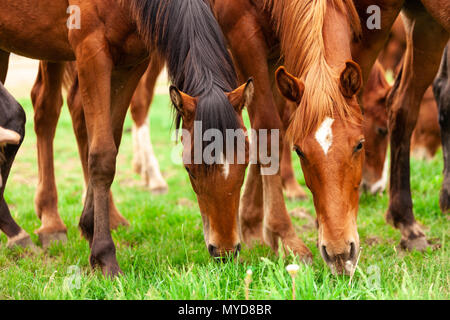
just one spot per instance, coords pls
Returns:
(351, 79)
(9, 137)
(290, 87)
(184, 103)
(242, 96)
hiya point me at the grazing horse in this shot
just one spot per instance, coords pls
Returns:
(111, 58)
(12, 131)
(312, 39)
(427, 28)
(441, 89)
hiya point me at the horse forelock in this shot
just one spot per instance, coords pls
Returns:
(299, 25)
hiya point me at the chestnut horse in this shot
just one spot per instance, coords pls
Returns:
(427, 28)
(12, 131)
(313, 40)
(111, 58)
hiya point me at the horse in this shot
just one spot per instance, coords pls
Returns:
(441, 90)
(427, 29)
(12, 132)
(300, 35)
(111, 50)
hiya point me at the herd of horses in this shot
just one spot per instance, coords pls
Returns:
(308, 69)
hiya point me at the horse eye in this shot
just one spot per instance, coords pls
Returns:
(299, 152)
(382, 131)
(359, 146)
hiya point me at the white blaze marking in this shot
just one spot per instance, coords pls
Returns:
(324, 134)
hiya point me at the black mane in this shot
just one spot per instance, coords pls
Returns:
(189, 37)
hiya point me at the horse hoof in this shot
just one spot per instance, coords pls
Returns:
(46, 239)
(159, 190)
(419, 244)
(21, 240)
(111, 271)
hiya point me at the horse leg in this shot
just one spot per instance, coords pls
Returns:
(15, 234)
(47, 102)
(144, 159)
(442, 92)
(79, 127)
(291, 187)
(106, 95)
(95, 73)
(250, 53)
(4, 61)
(426, 41)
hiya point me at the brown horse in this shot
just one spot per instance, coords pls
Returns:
(326, 126)
(12, 131)
(111, 58)
(427, 27)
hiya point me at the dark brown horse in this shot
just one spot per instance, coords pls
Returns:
(111, 58)
(12, 131)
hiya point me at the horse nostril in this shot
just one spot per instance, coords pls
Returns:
(325, 254)
(212, 250)
(352, 250)
(237, 249)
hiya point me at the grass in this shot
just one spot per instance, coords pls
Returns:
(163, 254)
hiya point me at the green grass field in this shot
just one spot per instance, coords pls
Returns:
(163, 254)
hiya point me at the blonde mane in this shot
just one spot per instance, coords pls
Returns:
(299, 25)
